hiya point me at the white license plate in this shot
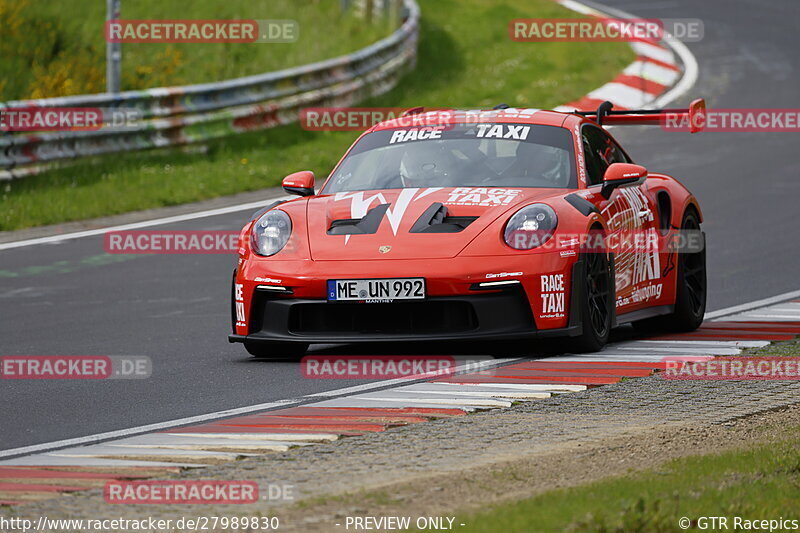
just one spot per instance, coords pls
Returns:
(376, 290)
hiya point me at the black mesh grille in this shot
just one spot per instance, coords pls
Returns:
(391, 318)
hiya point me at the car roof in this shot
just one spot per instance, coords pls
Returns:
(508, 115)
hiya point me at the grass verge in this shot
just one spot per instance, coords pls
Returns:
(466, 59)
(757, 483)
(49, 51)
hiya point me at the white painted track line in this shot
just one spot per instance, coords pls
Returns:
(533, 387)
(161, 440)
(778, 298)
(702, 350)
(264, 437)
(760, 317)
(732, 344)
(180, 439)
(143, 224)
(622, 359)
(46, 459)
(373, 403)
(401, 399)
(100, 451)
(489, 392)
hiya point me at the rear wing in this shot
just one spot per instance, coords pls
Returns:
(605, 114)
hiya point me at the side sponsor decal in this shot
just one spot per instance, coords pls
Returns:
(503, 275)
(640, 208)
(266, 280)
(646, 267)
(552, 291)
(649, 292)
(622, 278)
(482, 196)
(579, 149)
(630, 211)
(238, 297)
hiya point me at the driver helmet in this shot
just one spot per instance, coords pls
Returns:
(425, 164)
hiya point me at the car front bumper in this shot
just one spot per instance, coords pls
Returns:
(456, 308)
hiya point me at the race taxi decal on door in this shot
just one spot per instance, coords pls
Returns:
(238, 297)
(552, 294)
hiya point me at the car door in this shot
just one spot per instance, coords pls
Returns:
(629, 214)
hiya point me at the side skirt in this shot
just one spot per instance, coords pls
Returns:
(641, 314)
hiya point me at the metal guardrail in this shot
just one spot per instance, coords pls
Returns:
(174, 116)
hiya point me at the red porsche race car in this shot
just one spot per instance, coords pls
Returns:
(495, 225)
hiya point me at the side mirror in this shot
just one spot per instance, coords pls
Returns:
(622, 175)
(300, 183)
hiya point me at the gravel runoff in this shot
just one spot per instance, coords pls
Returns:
(451, 445)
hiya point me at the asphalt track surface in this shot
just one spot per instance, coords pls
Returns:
(72, 299)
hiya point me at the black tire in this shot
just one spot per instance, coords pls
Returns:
(595, 304)
(275, 350)
(691, 290)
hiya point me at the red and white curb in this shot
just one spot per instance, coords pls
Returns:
(46, 475)
(658, 67)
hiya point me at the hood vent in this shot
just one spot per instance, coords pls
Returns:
(436, 220)
(360, 226)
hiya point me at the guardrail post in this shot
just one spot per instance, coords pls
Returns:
(369, 8)
(113, 51)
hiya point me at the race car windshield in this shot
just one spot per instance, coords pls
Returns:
(496, 155)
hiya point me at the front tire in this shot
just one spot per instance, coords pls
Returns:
(595, 305)
(690, 292)
(275, 350)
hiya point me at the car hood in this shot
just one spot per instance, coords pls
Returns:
(414, 223)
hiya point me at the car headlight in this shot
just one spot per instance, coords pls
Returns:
(271, 232)
(530, 227)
